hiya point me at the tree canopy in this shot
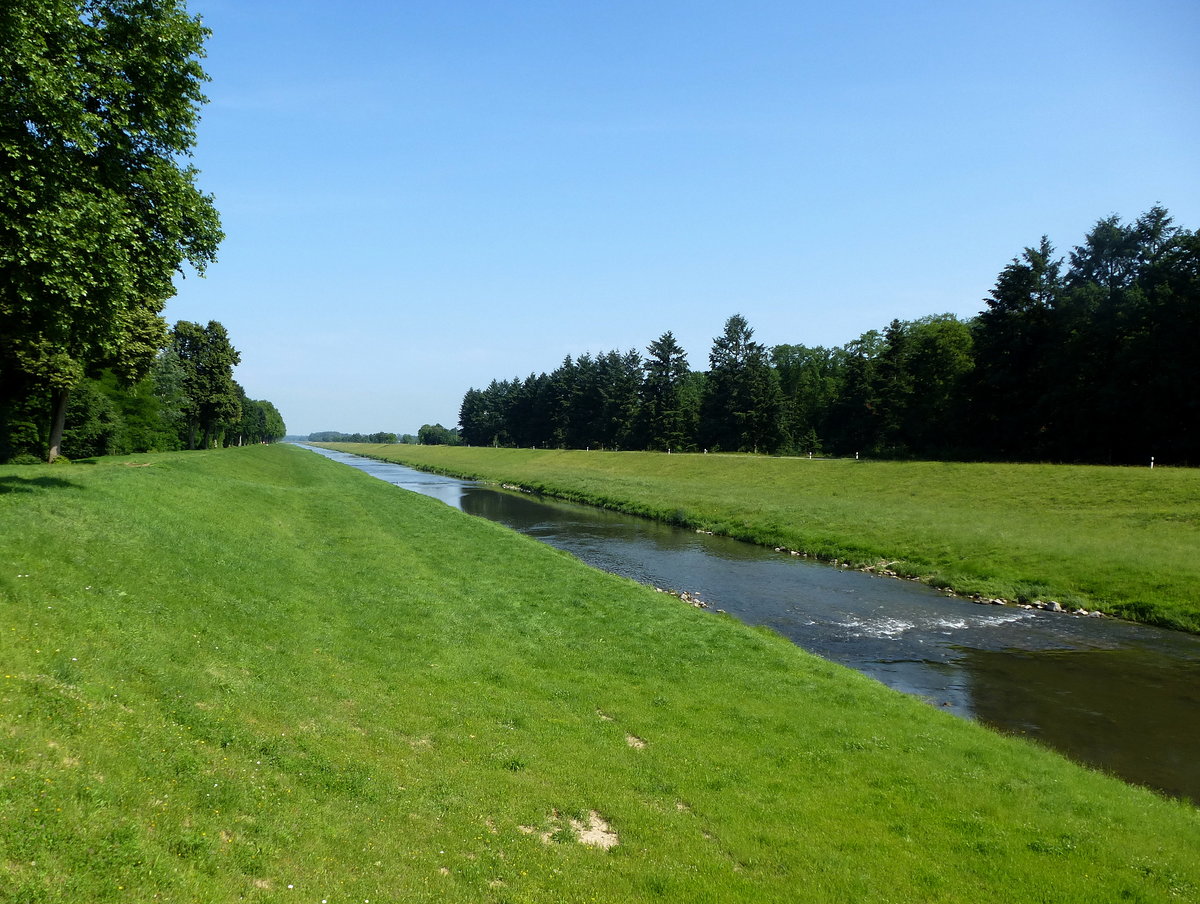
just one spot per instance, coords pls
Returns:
(99, 210)
(1088, 358)
(211, 398)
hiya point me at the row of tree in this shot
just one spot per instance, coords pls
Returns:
(336, 436)
(428, 435)
(99, 207)
(1089, 358)
(187, 400)
(99, 210)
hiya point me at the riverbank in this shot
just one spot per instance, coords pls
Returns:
(255, 672)
(1118, 540)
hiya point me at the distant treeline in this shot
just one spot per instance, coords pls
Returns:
(187, 400)
(1091, 358)
(428, 435)
(336, 436)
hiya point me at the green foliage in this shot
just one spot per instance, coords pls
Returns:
(99, 100)
(810, 380)
(364, 695)
(663, 408)
(334, 436)
(741, 407)
(211, 400)
(22, 426)
(108, 416)
(1095, 363)
(95, 426)
(1098, 363)
(436, 435)
(24, 458)
(260, 422)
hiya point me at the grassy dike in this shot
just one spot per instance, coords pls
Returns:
(1123, 540)
(258, 675)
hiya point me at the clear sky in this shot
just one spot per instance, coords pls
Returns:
(422, 195)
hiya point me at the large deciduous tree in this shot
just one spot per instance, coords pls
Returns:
(212, 400)
(99, 101)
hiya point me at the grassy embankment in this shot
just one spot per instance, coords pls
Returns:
(1124, 540)
(258, 675)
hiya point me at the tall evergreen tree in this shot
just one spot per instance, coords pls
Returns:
(1103, 374)
(621, 380)
(741, 409)
(662, 404)
(1013, 341)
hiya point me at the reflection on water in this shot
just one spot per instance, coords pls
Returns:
(1120, 696)
(1112, 696)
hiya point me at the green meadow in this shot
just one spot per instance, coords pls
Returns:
(258, 675)
(1122, 540)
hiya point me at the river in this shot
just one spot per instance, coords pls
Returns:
(1118, 696)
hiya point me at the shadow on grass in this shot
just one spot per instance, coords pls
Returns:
(15, 484)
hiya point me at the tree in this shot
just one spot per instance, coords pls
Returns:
(95, 426)
(473, 418)
(939, 364)
(1012, 353)
(665, 367)
(1117, 335)
(436, 435)
(260, 422)
(741, 409)
(98, 107)
(1097, 364)
(620, 377)
(919, 386)
(212, 400)
(811, 382)
(585, 402)
(853, 421)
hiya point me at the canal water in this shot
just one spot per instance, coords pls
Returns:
(1120, 696)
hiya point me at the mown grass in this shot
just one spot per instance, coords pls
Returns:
(258, 675)
(1123, 540)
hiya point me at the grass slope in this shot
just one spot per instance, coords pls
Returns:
(258, 675)
(1123, 540)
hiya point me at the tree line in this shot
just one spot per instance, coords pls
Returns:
(336, 436)
(1089, 357)
(428, 435)
(187, 399)
(99, 210)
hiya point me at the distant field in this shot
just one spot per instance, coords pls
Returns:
(1125, 540)
(256, 674)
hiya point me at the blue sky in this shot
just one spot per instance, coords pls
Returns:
(421, 196)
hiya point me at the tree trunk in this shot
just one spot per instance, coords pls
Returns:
(59, 402)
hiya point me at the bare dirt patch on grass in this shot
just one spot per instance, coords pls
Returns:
(595, 833)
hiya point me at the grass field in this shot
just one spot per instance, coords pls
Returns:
(258, 675)
(1124, 540)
